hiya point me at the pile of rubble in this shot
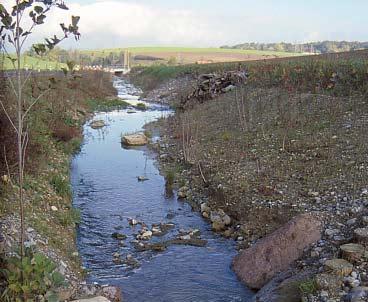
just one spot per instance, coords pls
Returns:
(211, 85)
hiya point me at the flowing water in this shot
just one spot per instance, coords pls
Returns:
(106, 190)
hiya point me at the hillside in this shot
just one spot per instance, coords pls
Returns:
(34, 63)
(291, 140)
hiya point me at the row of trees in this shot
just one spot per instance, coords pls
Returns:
(84, 59)
(313, 47)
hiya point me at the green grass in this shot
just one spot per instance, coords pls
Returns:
(34, 63)
(61, 185)
(107, 51)
(308, 287)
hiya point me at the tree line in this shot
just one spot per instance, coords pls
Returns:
(312, 47)
(84, 59)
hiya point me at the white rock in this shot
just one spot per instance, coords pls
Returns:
(146, 235)
(185, 237)
(54, 209)
(205, 208)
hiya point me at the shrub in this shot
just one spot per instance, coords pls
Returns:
(170, 178)
(28, 279)
(141, 106)
(65, 132)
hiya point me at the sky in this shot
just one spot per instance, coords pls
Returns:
(208, 23)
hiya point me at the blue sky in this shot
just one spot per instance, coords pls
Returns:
(209, 23)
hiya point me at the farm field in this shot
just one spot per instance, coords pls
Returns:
(33, 63)
(185, 55)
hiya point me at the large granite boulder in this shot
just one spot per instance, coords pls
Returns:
(137, 139)
(258, 264)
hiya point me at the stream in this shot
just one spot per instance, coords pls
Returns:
(107, 192)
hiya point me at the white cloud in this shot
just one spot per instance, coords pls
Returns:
(116, 24)
(121, 23)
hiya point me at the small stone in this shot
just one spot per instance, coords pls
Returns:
(358, 293)
(156, 231)
(132, 221)
(118, 236)
(205, 208)
(146, 235)
(352, 282)
(226, 219)
(314, 254)
(361, 235)
(142, 178)
(185, 237)
(54, 209)
(332, 232)
(182, 193)
(351, 221)
(313, 194)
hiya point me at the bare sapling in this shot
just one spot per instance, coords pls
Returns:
(18, 24)
(189, 134)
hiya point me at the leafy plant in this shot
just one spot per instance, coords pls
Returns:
(30, 277)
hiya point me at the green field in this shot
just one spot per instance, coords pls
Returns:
(142, 50)
(33, 63)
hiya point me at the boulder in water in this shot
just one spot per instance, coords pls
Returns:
(97, 124)
(137, 139)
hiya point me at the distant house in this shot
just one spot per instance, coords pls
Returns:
(200, 62)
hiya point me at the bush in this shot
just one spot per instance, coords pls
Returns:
(28, 279)
(65, 132)
(141, 106)
(170, 178)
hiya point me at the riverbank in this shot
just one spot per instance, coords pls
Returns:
(55, 135)
(292, 151)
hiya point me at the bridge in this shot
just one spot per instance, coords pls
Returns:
(117, 69)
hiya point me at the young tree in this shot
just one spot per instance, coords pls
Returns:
(17, 25)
